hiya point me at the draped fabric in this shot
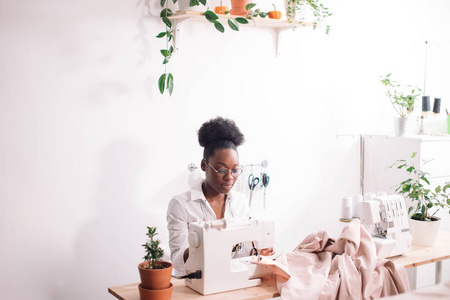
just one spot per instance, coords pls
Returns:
(321, 267)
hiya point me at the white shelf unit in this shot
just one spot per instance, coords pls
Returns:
(380, 152)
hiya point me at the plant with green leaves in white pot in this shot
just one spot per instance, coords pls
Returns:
(193, 5)
(402, 99)
(313, 11)
(424, 224)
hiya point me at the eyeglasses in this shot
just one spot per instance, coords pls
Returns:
(224, 171)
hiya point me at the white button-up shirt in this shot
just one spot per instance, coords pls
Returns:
(192, 206)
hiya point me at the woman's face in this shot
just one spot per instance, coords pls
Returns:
(224, 158)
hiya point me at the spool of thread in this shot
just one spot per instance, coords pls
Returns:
(369, 196)
(425, 103)
(437, 105)
(357, 199)
(346, 208)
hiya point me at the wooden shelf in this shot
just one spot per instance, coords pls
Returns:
(259, 22)
(281, 25)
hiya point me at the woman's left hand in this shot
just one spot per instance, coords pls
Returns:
(266, 252)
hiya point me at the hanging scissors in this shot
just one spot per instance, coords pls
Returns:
(264, 183)
(252, 183)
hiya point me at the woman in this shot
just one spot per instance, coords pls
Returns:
(212, 198)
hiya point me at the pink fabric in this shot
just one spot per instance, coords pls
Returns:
(346, 268)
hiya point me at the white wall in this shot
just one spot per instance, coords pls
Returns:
(91, 152)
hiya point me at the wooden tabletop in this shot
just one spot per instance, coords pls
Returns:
(266, 290)
(420, 255)
(416, 257)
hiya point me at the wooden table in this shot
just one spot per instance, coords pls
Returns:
(266, 290)
(420, 255)
(416, 257)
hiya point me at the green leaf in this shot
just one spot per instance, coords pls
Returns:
(241, 20)
(161, 84)
(164, 52)
(170, 83)
(219, 26)
(161, 34)
(250, 6)
(410, 209)
(211, 16)
(203, 2)
(193, 3)
(410, 169)
(414, 153)
(166, 12)
(174, 1)
(424, 179)
(167, 22)
(233, 24)
(430, 205)
(163, 2)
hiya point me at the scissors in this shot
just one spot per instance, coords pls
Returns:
(252, 183)
(264, 183)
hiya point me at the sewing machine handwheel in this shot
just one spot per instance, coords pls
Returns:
(194, 239)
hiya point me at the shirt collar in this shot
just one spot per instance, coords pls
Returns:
(197, 192)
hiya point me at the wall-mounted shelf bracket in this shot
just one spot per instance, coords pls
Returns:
(177, 32)
(279, 37)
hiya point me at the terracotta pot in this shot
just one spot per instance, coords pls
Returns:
(238, 7)
(163, 294)
(155, 279)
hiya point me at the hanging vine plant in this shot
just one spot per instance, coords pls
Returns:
(166, 80)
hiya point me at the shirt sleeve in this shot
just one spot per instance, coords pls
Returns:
(177, 226)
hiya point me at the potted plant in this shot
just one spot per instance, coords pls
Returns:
(155, 273)
(193, 5)
(402, 99)
(307, 11)
(424, 225)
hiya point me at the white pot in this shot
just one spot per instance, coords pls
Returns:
(424, 233)
(298, 11)
(184, 5)
(401, 126)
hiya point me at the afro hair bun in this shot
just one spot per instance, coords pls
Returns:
(220, 130)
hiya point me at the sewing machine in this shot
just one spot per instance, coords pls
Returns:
(387, 221)
(210, 245)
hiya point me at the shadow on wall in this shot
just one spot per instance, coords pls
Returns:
(106, 249)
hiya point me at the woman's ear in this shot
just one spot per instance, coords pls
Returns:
(203, 165)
